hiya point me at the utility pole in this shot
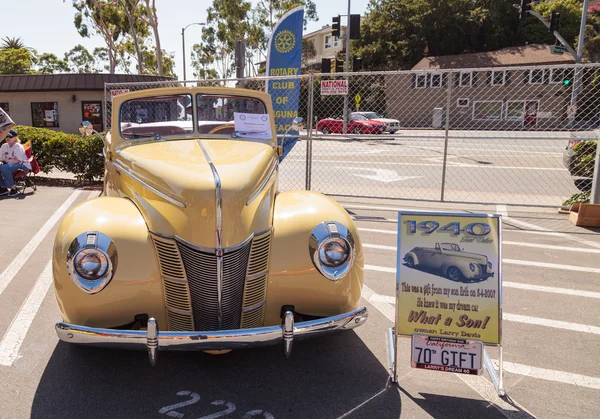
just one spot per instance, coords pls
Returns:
(347, 69)
(183, 44)
(579, 53)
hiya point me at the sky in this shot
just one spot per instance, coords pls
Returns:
(48, 26)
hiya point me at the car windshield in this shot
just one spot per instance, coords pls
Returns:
(156, 116)
(215, 112)
(358, 117)
(159, 116)
(451, 246)
(371, 115)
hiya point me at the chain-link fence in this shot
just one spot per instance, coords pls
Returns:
(514, 135)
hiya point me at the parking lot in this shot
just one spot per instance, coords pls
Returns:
(551, 333)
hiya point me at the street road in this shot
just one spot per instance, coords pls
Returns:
(551, 337)
(480, 168)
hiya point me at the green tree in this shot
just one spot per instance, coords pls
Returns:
(152, 21)
(49, 63)
(80, 60)
(12, 43)
(105, 18)
(394, 34)
(533, 31)
(308, 50)
(138, 28)
(15, 61)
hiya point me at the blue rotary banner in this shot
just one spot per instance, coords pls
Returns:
(284, 59)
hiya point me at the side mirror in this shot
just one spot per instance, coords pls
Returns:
(86, 128)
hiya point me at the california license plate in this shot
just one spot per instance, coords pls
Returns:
(445, 354)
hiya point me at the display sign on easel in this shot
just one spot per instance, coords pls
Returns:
(449, 292)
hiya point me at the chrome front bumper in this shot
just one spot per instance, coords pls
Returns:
(152, 340)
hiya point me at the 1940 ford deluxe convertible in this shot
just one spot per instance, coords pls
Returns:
(191, 246)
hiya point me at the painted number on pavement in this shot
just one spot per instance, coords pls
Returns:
(228, 408)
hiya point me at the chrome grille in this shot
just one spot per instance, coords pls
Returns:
(256, 282)
(177, 295)
(201, 272)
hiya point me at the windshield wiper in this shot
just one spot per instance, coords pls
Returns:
(241, 134)
(154, 135)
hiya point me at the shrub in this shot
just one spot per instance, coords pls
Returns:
(585, 154)
(72, 153)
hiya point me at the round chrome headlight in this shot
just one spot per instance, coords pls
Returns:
(472, 267)
(490, 265)
(91, 264)
(334, 252)
(331, 248)
(92, 261)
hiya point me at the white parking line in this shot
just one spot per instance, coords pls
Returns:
(502, 210)
(15, 266)
(552, 375)
(542, 288)
(506, 284)
(374, 230)
(551, 265)
(551, 247)
(549, 232)
(557, 324)
(385, 308)
(14, 336)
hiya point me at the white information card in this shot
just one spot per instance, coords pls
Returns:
(252, 125)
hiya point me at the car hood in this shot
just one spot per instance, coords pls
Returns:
(173, 185)
(370, 121)
(387, 120)
(474, 257)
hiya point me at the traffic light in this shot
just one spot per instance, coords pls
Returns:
(356, 64)
(525, 6)
(336, 27)
(354, 26)
(554, 21)
(339, 66)
(326, 65)
(567, 82)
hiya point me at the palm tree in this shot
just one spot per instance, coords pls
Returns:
(12, 43)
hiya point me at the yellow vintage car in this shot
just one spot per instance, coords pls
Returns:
(191, 246)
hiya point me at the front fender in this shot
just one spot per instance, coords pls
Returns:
(136, 286)
(414, 256)
(461, 264)
(293, 279)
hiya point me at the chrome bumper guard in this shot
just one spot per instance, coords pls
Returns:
(152, 340)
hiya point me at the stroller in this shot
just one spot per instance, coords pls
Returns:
(27, 180)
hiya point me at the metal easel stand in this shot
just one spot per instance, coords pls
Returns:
(497, 375)
(392, 344)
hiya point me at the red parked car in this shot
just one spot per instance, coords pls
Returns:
(357, 124)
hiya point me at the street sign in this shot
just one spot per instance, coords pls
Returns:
(557, 49)
(116, 92)
(334, 87)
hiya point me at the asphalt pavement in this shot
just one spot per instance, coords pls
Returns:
(551, 333)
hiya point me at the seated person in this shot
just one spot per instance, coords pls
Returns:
(12, 158)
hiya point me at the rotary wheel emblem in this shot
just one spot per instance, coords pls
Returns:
(284, 41)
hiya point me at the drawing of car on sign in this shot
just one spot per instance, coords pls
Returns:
(451, 261)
